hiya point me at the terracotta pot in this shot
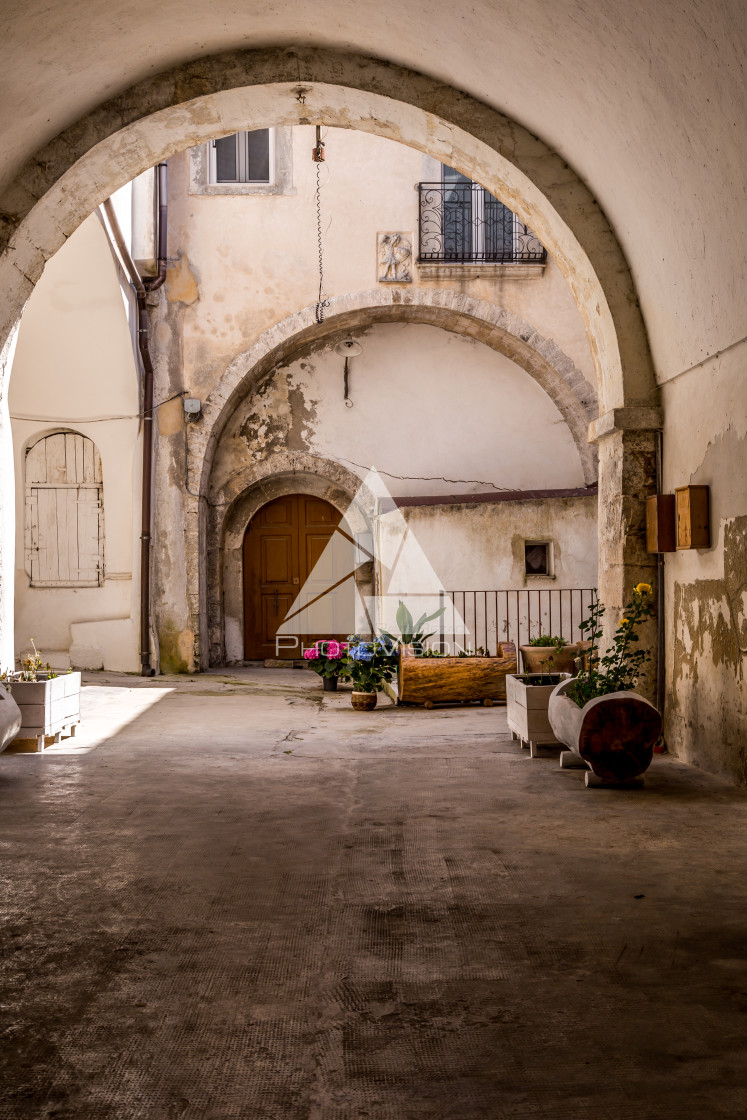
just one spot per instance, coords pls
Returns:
(364, 701)
(536, 657)
(614, 734)
(329, 684)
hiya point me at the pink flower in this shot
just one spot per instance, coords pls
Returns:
(335, 650)
(311, 654)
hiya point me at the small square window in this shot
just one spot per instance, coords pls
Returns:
(538, 558)
(243, 157)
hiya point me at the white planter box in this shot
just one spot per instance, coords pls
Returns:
(526, 711)
(48, 707)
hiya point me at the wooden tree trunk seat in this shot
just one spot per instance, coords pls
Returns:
(454, 680)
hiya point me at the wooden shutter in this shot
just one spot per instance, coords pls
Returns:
(64, 512)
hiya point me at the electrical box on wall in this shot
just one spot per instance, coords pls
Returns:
(660, 523)
(693, 519)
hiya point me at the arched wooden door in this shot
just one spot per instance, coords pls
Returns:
(282, 544)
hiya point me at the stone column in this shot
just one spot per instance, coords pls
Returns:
(626, 439)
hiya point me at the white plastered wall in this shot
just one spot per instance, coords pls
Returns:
(74, 369)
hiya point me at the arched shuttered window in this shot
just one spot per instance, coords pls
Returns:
(64, 512)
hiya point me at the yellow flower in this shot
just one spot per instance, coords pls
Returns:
(625, 622)
(643, 589)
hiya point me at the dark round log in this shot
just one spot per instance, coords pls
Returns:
(614, 734)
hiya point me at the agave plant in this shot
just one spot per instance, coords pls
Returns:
(410, 632)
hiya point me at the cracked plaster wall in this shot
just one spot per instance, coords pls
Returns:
(705, 442)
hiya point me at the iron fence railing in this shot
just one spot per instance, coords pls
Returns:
(484, 618)
(461, 222)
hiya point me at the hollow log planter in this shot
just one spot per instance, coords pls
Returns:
(454, 680)
(535, 658)
(613, 734)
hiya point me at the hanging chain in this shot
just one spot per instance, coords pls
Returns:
(321, 302)
(317, 154)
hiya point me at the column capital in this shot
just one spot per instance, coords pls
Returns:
(631, 418)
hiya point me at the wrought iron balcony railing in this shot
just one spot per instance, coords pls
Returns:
(461, 222)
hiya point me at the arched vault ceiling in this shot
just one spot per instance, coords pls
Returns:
(646, 101)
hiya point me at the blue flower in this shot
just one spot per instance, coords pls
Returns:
(361, 652)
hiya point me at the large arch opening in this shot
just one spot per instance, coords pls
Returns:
(258, 89)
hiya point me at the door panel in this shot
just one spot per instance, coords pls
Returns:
(282, 545)
(277, 559)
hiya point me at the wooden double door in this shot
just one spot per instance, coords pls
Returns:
(282, 545)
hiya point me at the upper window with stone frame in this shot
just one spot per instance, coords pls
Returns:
(258, 161)
(243, 157)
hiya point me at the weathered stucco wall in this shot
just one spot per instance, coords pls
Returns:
(74, 369)
(433, 412)
(705, 442)
(232, 278)
(481, 547)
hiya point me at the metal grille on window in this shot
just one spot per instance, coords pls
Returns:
(64, 512)
(461, 222)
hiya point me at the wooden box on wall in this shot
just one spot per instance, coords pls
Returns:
(660, 523)
(693, 522)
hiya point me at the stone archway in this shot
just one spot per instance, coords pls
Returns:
(228, 508)
(227, 520)
(258, 88)
(452, 311)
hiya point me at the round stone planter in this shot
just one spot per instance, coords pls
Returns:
(535, 658)
(613, 734)
(10, 718)
(329, 684)
(364, 701)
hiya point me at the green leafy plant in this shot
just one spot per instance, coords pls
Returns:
(369, 664)
(548, 640)
(621, 666)
(327, 657)
(411, 633)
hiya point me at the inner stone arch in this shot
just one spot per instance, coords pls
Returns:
(279, 475)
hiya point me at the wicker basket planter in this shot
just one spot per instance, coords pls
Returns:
(363, 701)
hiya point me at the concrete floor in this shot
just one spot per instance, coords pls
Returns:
(234, 897)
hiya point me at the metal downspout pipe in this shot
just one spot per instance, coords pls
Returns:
(142, 288)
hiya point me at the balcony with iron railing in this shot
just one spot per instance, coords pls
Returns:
(460, 223)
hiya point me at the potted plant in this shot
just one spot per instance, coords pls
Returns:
(368, 665)
(327, 658)
(49, 703)
(597, 714)
(551, 647)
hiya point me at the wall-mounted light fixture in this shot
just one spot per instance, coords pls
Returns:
(192, 407)
(348, 349)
